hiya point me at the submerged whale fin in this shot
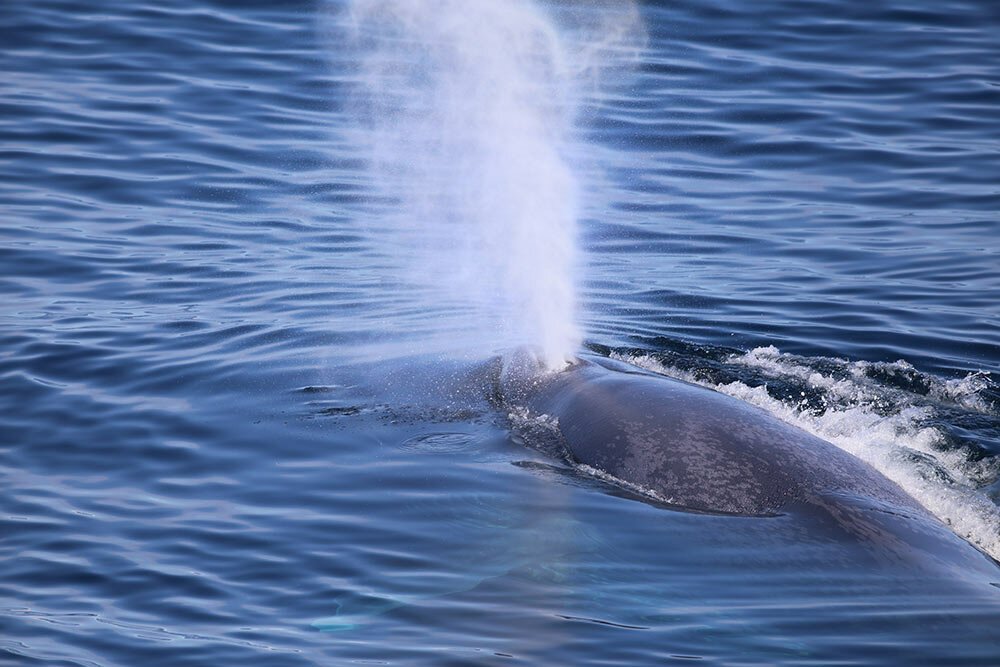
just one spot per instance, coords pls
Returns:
(534, 552)
(354, 612)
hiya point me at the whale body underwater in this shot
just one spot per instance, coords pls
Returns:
(692, 448)
(686, 447)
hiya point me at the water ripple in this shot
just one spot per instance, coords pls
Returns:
(203, 462)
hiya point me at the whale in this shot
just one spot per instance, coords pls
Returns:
(682, 447)
(690, 448)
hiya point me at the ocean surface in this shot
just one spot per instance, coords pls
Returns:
(231, 431)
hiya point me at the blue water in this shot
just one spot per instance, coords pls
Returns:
(221, 443)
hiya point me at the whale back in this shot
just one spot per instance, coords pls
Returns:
(690, 446)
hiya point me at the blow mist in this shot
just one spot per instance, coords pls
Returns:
(466, 112)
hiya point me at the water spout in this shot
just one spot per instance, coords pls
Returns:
(467, 113)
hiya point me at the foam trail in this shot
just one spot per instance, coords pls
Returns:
(466, 111)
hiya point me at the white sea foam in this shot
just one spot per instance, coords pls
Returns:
(884, 426)
(466, 111)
